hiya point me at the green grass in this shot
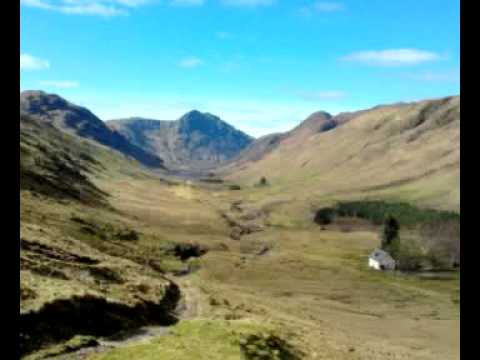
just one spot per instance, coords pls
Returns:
(204, 339)
(72, 345)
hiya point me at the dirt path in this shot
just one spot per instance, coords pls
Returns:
(189, 307)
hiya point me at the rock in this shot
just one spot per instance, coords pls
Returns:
(236, 233)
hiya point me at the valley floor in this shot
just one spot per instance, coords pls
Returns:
(298, 277)
(311, 285)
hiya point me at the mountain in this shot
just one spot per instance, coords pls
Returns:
(80, 121)
(52, 164)
(195, 141)
(408, 151)
(257, 149)
(317, 122)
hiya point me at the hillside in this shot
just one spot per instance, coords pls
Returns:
(77, 120)
(403, 151)
(195, 141)
(317, 122)
(73, 243)
(53, 164)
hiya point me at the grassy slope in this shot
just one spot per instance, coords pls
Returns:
(71, 243)
(399, 152)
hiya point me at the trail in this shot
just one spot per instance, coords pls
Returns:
(188, 307)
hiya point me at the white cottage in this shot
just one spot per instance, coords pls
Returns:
(381, 260)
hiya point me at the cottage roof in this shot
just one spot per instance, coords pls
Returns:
(381, 256)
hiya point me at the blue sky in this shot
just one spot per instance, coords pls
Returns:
(262, 65)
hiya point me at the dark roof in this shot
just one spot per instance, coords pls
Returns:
(381, 255)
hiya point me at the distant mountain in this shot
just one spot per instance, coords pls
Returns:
(400, 151)
(80, 121)
(195, 141)
(317, 122)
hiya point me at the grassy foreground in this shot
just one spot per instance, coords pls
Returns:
(208, 339)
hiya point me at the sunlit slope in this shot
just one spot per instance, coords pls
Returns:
(408, 151)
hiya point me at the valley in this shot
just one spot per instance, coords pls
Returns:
(212, 264)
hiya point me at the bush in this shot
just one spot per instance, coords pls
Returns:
(185, 251)
(442, 241)
(235, 187)
(390, 231)
(324, 216)
(263, 181)
(212, 180)
(267, 347)
(409, 255)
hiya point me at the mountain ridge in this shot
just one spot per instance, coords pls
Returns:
(196, 140)
(317, 122)
(409, 151)
(80, 121)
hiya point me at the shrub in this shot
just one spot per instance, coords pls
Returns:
(267, 347)
(324, 216)
(409, 256)
(390, 231)
(212, 180)
(185, 251)
(442, 241)
(263, 181)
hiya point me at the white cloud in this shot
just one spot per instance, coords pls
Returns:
(131, 3)
(322, 7)
(190, 62)
(187, 3)
(93, 9)
(29, 62)
(247, 3)
(62, 84)
(392, 57)
(105, 8)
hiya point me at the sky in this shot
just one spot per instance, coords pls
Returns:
(261, 65)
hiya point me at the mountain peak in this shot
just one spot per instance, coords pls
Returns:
(193, 112)
(317, 122)
(196, 140)
(319, 114)
(197, 116)
(38, 100)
